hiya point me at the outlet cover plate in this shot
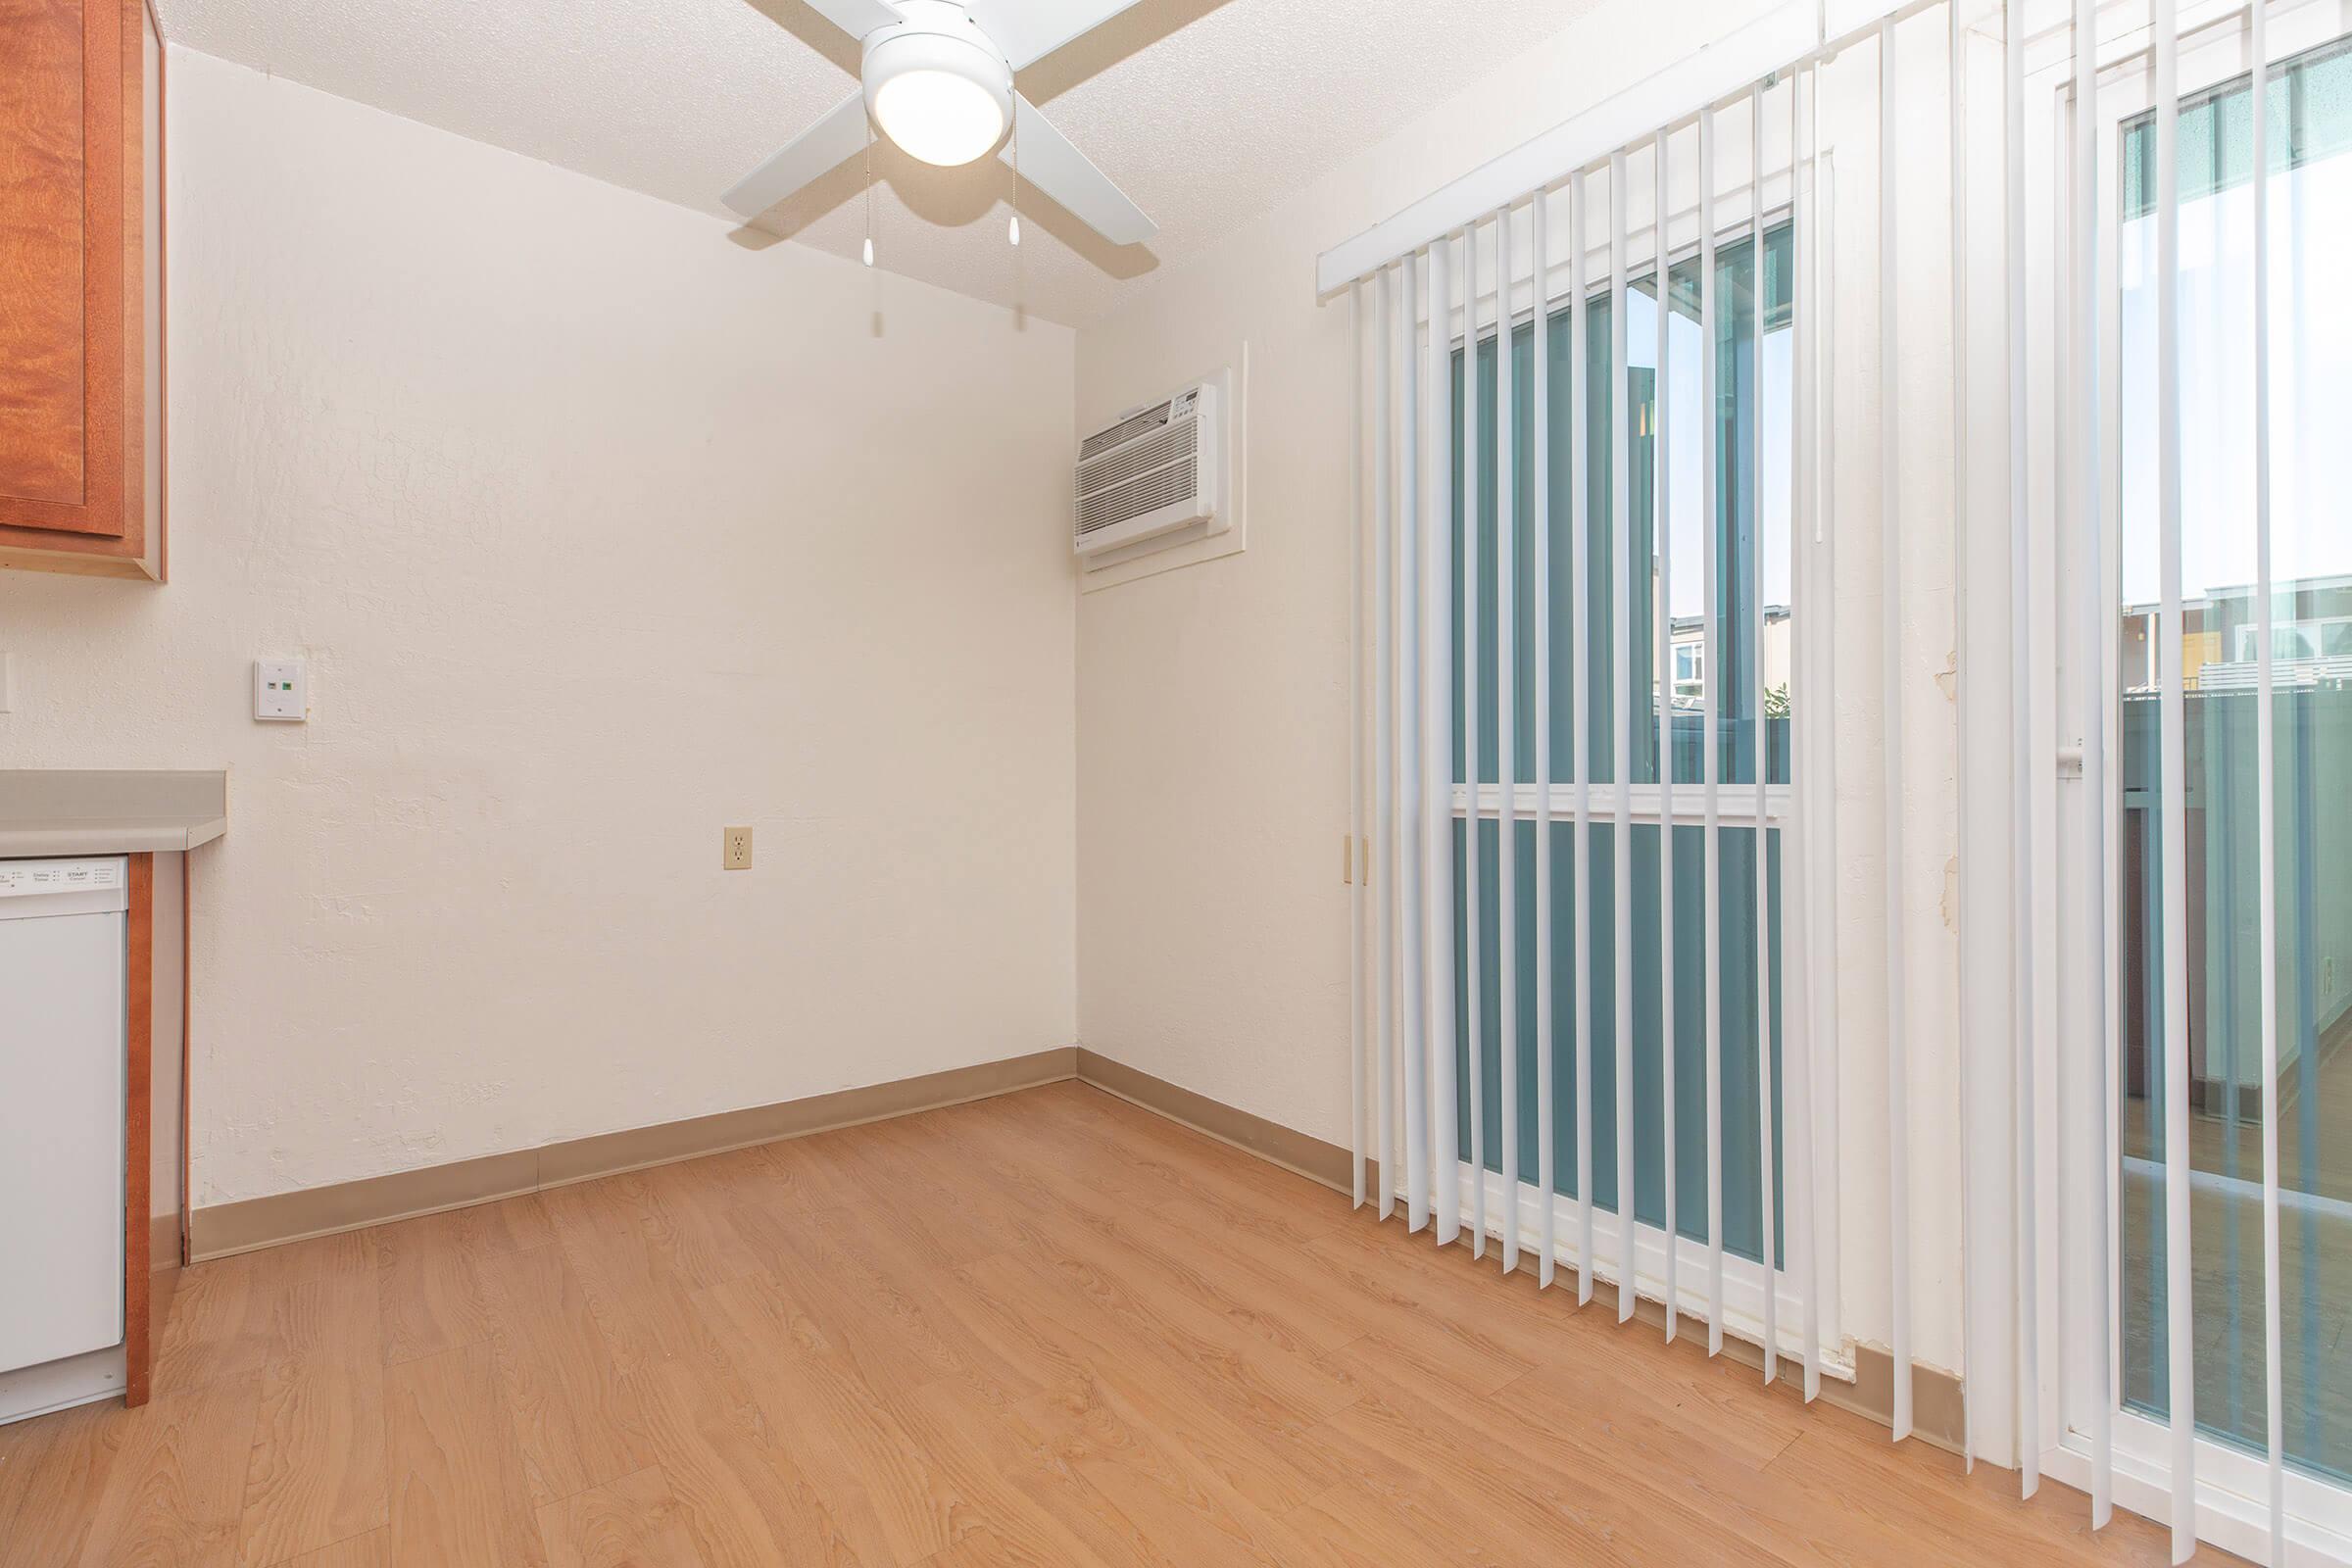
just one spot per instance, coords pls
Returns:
(735, 849)
(282, 691)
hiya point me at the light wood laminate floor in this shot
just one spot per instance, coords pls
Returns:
(1044, 1329)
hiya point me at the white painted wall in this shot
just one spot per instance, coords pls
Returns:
(1212, 701)
(599, 532)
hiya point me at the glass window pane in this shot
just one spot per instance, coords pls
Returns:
(2310, 200)
(1583, 623)
(1747, 500)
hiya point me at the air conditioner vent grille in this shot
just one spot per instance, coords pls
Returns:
(1153, 480)
(1126, 430)
(1145, 452)
(1106, 509)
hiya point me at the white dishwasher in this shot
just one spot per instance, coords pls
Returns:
(62, 1097)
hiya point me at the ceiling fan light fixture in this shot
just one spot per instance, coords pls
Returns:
(936, 78)
(938, 96)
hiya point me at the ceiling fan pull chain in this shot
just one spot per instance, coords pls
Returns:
(1017, 180)
(870, 193)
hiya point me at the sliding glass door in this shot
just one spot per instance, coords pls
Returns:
(2309, 137)
(2210, 962)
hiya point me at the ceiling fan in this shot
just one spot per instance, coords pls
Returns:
(937, 79)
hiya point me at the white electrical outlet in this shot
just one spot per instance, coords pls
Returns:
(281, 690)
(735, 849)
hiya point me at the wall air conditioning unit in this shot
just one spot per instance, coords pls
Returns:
(1155, 473)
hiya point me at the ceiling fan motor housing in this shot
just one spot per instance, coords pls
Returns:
(936, 39)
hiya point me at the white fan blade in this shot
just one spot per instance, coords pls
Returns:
(839, 135)
(1031, 30)
(857, 17)
(1049, 163)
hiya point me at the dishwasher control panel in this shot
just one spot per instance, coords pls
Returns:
(23, 878)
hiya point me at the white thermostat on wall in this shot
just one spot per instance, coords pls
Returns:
(281, 690)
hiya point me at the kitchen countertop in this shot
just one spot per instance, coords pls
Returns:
(66, 811)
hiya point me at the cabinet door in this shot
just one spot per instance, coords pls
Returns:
(61, 265)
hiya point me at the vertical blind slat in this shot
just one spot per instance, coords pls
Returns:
(1539, 244)
(2264, 823)
(1384, 721)
(2085, 474)
(1808, 721)
(1663, 541)
(2023, 859)
(1970, 1220)
(1356, 1041)
(1898, 1172)
(1579, 597)
(1436, 729)
(1621, 760)
(1473, 980)
(1446, 1169)
(1823, 793)
(1710, 752)
(2172, 765)
(1412, 768)
(1507, 625)
(1760, 747)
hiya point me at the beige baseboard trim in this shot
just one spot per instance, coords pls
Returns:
(223, 1229)
(1269, 1141)
(1938, 1409)
(163, 1243)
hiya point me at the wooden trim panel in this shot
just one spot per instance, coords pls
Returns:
(138, 1225)
(188, 1035)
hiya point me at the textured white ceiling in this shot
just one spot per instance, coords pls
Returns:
(1206, 112)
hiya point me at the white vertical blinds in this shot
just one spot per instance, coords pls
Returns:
(2156, 796)
(1629, 913)
(1524, 633)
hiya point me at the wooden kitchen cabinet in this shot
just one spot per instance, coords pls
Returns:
(81, 416)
